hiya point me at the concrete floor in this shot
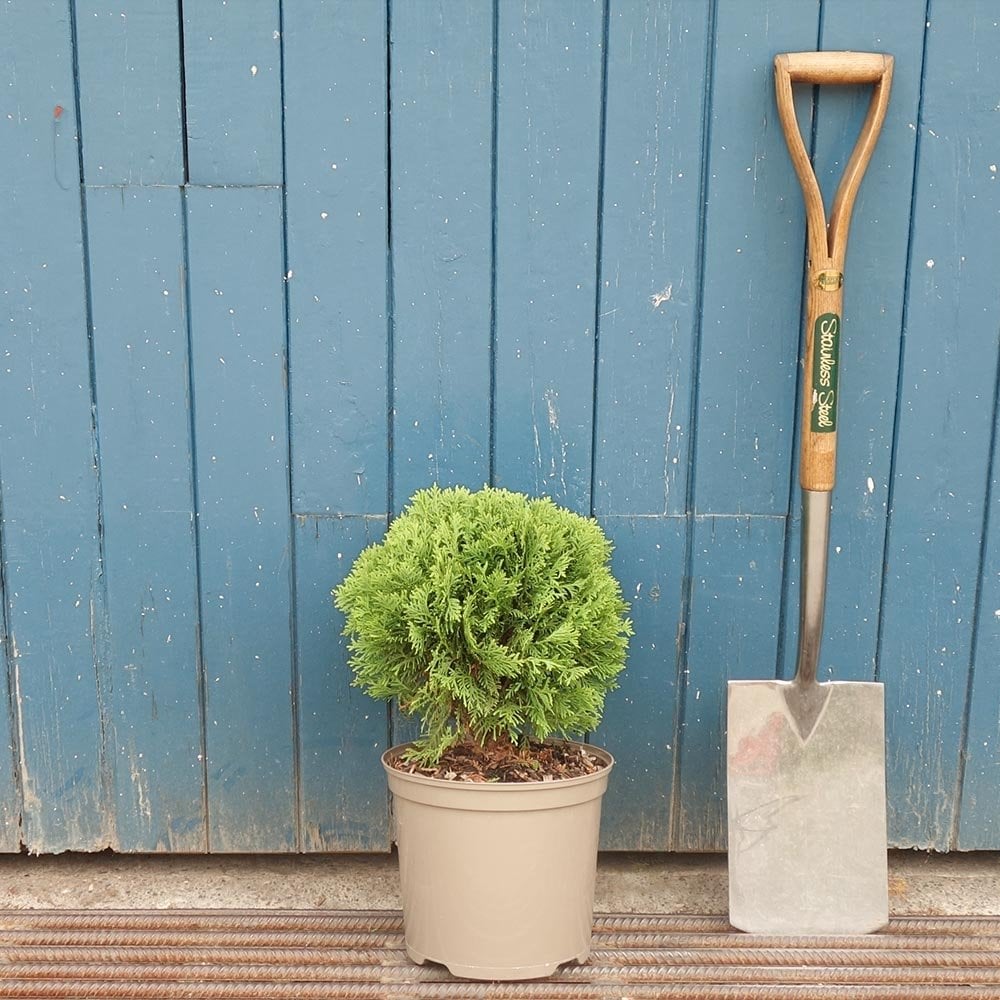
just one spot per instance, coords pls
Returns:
(958, 884)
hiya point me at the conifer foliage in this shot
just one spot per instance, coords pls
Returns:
(489, 614)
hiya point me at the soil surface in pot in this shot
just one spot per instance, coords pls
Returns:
(504, 761)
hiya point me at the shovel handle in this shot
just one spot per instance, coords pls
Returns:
(827, 239)
(835, 67)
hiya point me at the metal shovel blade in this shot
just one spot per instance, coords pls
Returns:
(807, 820)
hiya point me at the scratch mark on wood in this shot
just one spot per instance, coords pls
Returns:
(28, 794)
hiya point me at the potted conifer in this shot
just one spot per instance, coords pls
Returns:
(495, 618)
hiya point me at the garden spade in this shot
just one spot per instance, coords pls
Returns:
(806, 760)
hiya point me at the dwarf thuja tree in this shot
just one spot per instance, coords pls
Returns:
(491, 615)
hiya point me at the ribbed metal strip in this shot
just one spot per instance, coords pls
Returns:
(402, 974)
(273, 954)
(139, 957)
(117, 990)
(370, 921)
(344, 922)
(940, 942)
(96, 937)
(649, 957)
(641, 923)
(167, 938)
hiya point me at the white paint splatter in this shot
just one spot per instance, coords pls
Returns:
(930, 263)
(253, 70)
(658, 298)
(871, 485)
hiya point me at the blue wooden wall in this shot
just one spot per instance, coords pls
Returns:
(267, 268)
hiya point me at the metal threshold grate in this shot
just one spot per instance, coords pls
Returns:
(359, 955)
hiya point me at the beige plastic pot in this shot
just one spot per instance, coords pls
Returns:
(498, 879)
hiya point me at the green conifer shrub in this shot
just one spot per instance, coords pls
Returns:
(490, 615)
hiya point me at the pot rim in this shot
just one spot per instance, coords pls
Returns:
(503, 786)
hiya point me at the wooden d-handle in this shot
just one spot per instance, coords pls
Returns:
(835, 67)
(827, 240)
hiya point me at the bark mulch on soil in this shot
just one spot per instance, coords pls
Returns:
(507, 762)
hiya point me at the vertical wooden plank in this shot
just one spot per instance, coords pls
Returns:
(130, 92)
(47, 456)
(944, 429)
(548, 159)
(232, 85)
(733, 618)
(343, 731)
(336, 161)
(754, 240)
(244, 531)
(442, 101)
(640, 718)
(10, 799)
(754, 235)
(651, 220)
(979, 822)
(150, 564)
(875, 277)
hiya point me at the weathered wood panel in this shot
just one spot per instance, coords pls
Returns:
(754, 239)
(232, 90)
(53, 571)
(640, 720)
(238, 369)
(651, 218)
(337, 198)
(946, 419)
(150, 563)
(732, 634)
(979, 821)
(556, 245)
(342, 731)
(336, 192)
(10, 800)
(549, 113)
(651, 215)
(442, 228)
(130, 92)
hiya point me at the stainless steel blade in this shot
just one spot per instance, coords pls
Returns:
(807, 820)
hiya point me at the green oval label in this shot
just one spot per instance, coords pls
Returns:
(826, 365)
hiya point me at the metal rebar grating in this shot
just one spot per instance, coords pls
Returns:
(359, 955)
